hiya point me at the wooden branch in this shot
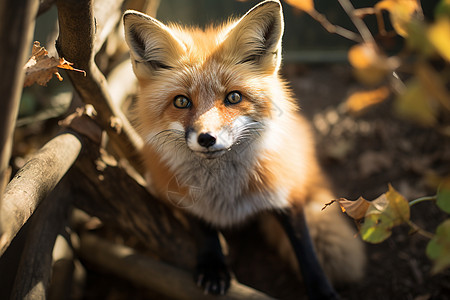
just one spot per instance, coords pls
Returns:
(359, 23)
(16, 32)
(76, 44)
(63, 271)
(107, 191)
(34, 182)
(155, 275)
(34, 273)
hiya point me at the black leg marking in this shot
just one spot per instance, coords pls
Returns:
(212, 273)
(317, 284)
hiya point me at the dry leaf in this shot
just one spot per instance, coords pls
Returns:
(359, 101)
(354, 209)
(40, 67)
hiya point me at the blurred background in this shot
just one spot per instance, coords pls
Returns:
(363, 150)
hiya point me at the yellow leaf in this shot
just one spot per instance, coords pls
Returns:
(439, 35)
(399, 205)
(400, 12)
(362, 56)
(305, 5)
(385, 212)
(370, 65)
(359, 101)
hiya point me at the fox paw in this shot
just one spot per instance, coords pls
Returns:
(213, 278)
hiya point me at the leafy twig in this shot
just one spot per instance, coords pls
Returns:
(331, 28)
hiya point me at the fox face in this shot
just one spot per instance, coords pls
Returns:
(207, 92)
(213, 111)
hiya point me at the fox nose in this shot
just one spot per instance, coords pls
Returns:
(206, 140)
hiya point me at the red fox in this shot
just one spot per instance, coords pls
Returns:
(224, 141)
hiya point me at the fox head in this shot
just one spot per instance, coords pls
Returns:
(206, 91)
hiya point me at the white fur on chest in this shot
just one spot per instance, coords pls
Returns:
(216, 187)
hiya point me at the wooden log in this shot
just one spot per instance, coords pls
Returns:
(155, 275)
(34, 182)
(105, 190)
(17, 20)
(34, 273)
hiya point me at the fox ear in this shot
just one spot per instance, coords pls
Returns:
(151, 42)
(256, 38)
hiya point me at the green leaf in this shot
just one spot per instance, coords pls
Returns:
(414, 104)
(442, 9)
(389, 210)
(443, 200)
(376, 228)
(418, 39)
(438, 249)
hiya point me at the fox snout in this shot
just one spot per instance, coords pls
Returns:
(209, 144)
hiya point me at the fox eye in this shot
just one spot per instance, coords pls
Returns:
(181, 102)
(233, 98)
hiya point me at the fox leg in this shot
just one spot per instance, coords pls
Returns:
(212, 273)
(317, 284)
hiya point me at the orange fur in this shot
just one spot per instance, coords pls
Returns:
(262, 155)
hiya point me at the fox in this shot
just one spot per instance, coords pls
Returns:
(225, 142)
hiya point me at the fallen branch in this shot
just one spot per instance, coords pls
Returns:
(35, 269)
(105, 190)
(17, 20)
(34, 182)
(155, 275)
(76, 44)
